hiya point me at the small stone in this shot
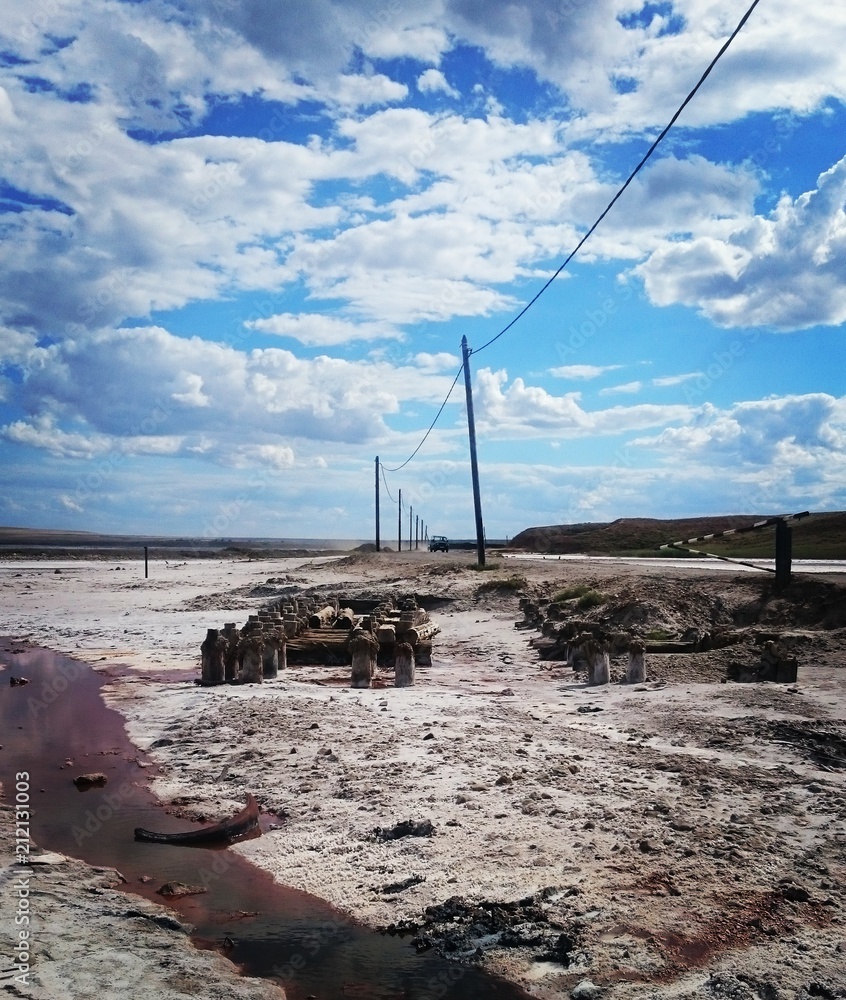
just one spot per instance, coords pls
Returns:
(648, 846)
(429, 736)
(83, 781)
(586, 990)
(795, 893)
(173, 890)
(681, 825)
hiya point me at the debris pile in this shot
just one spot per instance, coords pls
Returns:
(321, 630)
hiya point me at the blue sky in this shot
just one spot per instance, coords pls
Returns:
(242, 242)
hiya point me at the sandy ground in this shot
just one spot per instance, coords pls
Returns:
(657, 840)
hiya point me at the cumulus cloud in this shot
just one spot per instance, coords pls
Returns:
(784, 270)
(173, 395)
(518, 410)
(433, 81)
(754, 432)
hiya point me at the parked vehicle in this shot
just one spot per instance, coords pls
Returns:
(439, 543)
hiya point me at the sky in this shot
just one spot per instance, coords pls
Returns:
(243, 239)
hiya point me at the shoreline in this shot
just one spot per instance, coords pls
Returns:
(526, 793)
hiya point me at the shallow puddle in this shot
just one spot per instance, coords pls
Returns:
(57, 727)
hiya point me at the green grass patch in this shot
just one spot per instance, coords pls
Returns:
(658, 634)
(591, 599)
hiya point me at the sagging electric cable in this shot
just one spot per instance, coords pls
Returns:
(628, 181)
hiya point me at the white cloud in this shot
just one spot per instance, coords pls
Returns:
(521, 411)
(366, 91)
(627, 387)
(663, 381)
(442, 361)
(321, 329)
(784, 271)
(755, 432)
(582, 371)
(433, 81)
(173, 395)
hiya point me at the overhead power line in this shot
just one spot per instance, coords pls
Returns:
(629, 179)
(431, 426)
(385, 481)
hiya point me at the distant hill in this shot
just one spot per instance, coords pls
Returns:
(819, 536)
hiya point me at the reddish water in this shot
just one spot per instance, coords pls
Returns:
(267, 929)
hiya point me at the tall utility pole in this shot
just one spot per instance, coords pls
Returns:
(474, 465)
(399, 521)
(417, 532)
(378, 546)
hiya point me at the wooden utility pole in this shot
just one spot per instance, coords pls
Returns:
(474, 465)
(410, 523)
(417, 532)
(399, 521)
(378, 547)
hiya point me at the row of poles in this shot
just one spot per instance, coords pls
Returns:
(418, 530)
(474, 474)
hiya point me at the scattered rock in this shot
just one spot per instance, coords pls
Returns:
(94, 780)
(173, 890)
(18, 681)
(406, 828)
(586, 990)
(406, 883)
(795, 893)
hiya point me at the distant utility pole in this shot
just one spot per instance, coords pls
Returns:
(474, 465)
(410, 525)
(417, 532)
(378, 546)
(399, 521)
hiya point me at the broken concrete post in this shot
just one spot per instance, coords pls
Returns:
(212, 652)
(252, 653)
(599, 664)
(404, 665)
(386, 634)
(362, 660)
(636, 670)
(270, 653)
(230, 657)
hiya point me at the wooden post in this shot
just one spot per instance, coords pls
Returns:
(783, 553)
(410, 522)
(474, 465)
(146, 573)
(378, 548)
(399, 522)
(417, 531)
